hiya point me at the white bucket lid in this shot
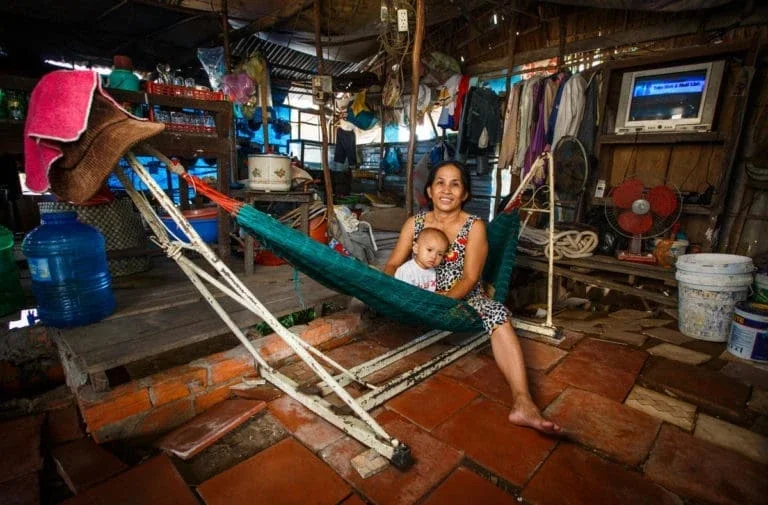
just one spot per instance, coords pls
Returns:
(715, 264)
(269, 155)
(722, 282)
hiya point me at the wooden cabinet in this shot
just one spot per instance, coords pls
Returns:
(693, 161)
(184, 145)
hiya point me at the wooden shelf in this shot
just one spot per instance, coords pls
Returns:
(172, 143)
(662, 138)
(688, 208)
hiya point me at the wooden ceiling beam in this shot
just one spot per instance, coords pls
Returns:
(625, 37)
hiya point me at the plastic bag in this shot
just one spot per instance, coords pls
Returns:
(212, 60)
(238, 87)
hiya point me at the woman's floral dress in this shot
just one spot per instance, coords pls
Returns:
(450, 271)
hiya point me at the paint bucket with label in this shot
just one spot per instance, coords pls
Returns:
(709, 287)
(749, 332)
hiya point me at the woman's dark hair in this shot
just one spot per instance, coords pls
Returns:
(466, 181)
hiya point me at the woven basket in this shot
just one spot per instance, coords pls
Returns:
(121, 226)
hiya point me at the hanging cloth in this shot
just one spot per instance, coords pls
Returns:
(511, 124)
(571, 109)
(526, 116)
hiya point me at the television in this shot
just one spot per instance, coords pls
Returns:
(681, 98)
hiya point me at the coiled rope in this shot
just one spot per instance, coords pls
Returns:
(568, 243)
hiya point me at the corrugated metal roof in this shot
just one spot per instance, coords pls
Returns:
(288, 64)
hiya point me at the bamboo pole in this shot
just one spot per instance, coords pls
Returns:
(415, 61)
(323, 130)
(264, 111)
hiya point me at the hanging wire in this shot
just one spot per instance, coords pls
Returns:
(396, 45)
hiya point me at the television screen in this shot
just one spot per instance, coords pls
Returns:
(674, 98)
(668, 96)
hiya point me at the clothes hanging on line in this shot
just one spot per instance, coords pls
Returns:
(526, 117)
(511, 126)
(588, 129)
(571, 109)
(480, 129)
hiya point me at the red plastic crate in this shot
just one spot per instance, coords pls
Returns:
(171, 90)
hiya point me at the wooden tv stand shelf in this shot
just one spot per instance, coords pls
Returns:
(661, 138)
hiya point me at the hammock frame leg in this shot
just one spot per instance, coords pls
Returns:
(361, 425)
(548, 159)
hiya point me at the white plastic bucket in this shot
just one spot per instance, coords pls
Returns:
(269, 172)
(761, 288)
(709, 287)
(749, 332)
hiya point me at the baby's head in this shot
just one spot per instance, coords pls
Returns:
(430, 247)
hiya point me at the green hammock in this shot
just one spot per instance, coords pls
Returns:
(384, 293)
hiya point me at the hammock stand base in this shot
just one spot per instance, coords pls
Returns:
(353, 418)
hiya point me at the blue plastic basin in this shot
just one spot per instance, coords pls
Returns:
(204, 221)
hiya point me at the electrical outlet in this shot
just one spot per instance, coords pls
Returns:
(402, 20)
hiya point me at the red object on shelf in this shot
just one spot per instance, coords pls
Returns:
(171, 90)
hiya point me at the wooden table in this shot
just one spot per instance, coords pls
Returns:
(586, 270)
(250, 197)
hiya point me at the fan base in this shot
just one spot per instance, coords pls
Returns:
(647, 259)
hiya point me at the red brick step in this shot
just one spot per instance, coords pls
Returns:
(205, 429)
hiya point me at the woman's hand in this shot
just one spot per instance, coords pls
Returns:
(403, 248)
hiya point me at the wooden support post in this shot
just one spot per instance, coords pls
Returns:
(562, 24)
(264, 112)
(415, 63)
(225, 32)
(323, 128)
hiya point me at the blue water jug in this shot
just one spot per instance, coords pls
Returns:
(11, 295)
(68, 266)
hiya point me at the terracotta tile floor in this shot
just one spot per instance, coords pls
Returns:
(614, 400)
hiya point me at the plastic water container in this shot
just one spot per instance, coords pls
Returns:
(11, 295)
(709, 287)
(68, 265)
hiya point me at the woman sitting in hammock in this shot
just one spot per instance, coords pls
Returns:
(458, 276)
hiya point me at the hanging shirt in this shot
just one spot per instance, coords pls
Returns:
(555, 110)
(538, 138)
(511, 124)
(571, 109)
(588, 127)
(526, 115)
(550, 92)
(461, 94)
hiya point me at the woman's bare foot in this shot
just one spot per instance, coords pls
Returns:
(525, 413)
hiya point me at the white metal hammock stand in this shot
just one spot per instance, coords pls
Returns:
(353, 418)
(531, 207)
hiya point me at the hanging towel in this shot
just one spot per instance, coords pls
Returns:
(58, 112)
(59, 109)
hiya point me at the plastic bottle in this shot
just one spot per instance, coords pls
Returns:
(11, 295)
(68, 266)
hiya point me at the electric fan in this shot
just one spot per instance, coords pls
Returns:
(571, 171)
(641, 213)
